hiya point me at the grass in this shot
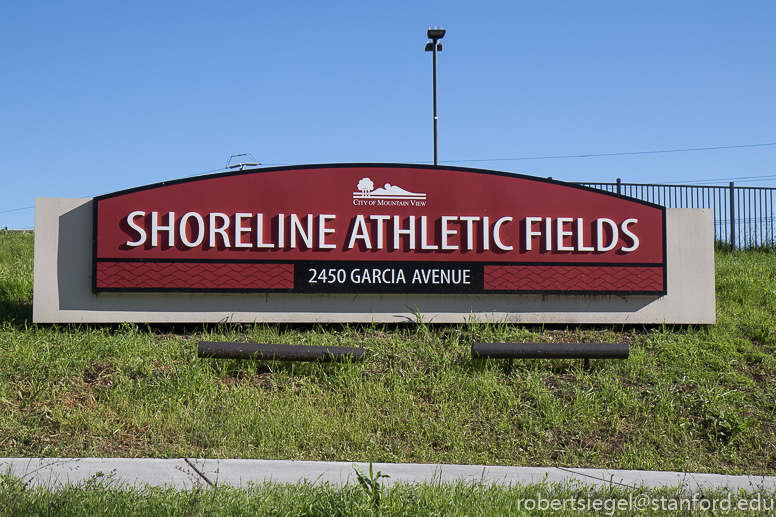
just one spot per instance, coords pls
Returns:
(699, 399)
(101, 496)
(16, 276)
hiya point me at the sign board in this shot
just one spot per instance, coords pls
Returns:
(377, 229)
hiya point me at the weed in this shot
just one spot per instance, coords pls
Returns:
(370, 482)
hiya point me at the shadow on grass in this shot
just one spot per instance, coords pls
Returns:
(17, 314)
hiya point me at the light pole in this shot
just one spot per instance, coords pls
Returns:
(433, 46)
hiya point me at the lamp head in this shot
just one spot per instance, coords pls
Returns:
(436, 34)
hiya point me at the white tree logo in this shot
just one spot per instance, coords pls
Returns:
(367, 189)
(365, 186)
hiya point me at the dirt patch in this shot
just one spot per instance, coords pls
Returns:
(608, 445)
(589, 336)
(99, 375)
(123, 442)
(264, 379)
(761, 377)
(79, 396)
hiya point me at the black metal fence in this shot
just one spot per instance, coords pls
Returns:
(743, 216)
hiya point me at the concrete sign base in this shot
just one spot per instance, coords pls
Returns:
(63, 288)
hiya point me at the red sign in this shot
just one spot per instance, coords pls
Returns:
(377, 229)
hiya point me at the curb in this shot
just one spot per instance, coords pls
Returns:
(187, 473)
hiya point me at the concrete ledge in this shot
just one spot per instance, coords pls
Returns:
(54, 472)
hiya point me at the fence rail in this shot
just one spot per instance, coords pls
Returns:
(743, 216)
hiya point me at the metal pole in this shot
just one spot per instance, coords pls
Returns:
(268, 352)
(732, 218)
(436, 118)
(435, 35)
(550, 350)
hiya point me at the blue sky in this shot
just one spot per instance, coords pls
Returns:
(103, 96)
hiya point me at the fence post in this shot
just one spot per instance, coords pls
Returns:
(618, 186)
(732, 218)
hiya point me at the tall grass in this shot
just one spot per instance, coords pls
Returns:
(16, 276)
(101, 496)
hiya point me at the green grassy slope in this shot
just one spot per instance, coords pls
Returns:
(695, 399)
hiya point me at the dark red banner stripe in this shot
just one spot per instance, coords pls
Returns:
(573, 278)
(183, 275)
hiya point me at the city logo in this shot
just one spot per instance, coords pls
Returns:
(367, 190)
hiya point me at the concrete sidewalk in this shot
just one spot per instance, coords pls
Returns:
(182, 473)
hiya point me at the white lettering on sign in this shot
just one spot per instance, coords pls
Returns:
(529, 232)
(398, 232)
(548, 237)
(260, 233)
(561, 233)
(380, 220)
(220, 230)
(360, 232)
(156, 228)
(602, 234)
(200, 230)
(442, 276)
(377, 276)
(424, 245)
(322, 231)
(140, 231)
(624, 228)
(581, 236)
(469, 220)
(607, 234)
(239, 229)
(296, 228)
(447, 233)
(497, 234)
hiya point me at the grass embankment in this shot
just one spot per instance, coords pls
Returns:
(689, 399)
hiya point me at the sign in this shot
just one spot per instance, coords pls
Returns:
(354, 228)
